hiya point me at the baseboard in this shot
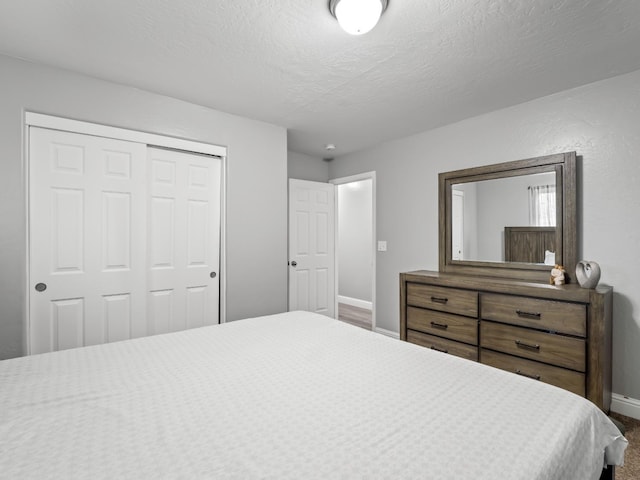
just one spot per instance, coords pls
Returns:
(629, 407)
(355, 302)
(388, 333)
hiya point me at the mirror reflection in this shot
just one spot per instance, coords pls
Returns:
(508, 219)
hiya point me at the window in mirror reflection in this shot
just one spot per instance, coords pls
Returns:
(480, 211)
(542, 205)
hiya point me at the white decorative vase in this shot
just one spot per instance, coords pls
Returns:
(588, 274)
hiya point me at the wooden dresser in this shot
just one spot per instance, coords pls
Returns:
(558, 335)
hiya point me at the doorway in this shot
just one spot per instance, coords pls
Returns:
(355, 249)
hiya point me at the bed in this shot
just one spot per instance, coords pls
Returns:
(289, 396)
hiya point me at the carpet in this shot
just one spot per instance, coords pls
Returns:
(631, 468)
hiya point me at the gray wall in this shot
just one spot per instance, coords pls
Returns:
(306, 167)
(355, 216)
(256, 181)
(599, 121)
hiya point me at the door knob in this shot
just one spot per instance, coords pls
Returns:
(213, 274)
(41, 287)
(294, 263)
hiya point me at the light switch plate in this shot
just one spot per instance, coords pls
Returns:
(382, 245)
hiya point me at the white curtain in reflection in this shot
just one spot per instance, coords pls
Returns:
(542, 206)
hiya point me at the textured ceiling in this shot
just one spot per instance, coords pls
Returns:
(287, 62)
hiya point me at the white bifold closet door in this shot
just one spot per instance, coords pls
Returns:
(123, 240)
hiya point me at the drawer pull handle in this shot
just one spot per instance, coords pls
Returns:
(442, 326)
(443, 350)
(535, 377)
(439, 299)
(528, 346)
(535, 316)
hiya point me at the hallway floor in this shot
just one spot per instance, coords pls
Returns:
(360, 317)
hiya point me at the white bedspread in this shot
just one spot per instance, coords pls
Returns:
(289, 396)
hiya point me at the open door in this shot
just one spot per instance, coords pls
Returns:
(312, 247)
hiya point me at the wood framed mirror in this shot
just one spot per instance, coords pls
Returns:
(512, 220)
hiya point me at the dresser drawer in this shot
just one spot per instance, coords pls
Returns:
(455, 327)
(450, 300)
(563, 317)
(560, 377)
(558, 350)
(443, 345)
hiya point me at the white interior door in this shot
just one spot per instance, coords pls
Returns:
(184, 240)
(457, 225)
(87, 241)
(124, 240)
(311, 247)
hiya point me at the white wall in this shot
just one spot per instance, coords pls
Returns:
(355, 216)
(600, 121)
(256, 182)
(306, 167)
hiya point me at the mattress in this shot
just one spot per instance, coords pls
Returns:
(289, 396)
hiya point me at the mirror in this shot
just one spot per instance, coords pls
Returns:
(485, 213)
(515, 219)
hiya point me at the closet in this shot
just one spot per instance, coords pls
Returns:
(124, 239)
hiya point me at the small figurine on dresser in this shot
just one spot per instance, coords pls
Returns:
(557, 275)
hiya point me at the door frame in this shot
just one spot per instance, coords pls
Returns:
(350, 179)
(32, 119)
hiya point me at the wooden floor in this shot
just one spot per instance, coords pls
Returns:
(360, 317)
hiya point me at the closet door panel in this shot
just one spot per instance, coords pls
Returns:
(184, 245)
(87, 238)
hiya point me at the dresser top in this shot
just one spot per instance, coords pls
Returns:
(572, 292)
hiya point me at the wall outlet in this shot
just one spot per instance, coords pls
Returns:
(382, 245)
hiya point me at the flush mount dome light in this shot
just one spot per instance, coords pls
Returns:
(357, 16)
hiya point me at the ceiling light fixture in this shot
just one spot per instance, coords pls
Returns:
(357, 16)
